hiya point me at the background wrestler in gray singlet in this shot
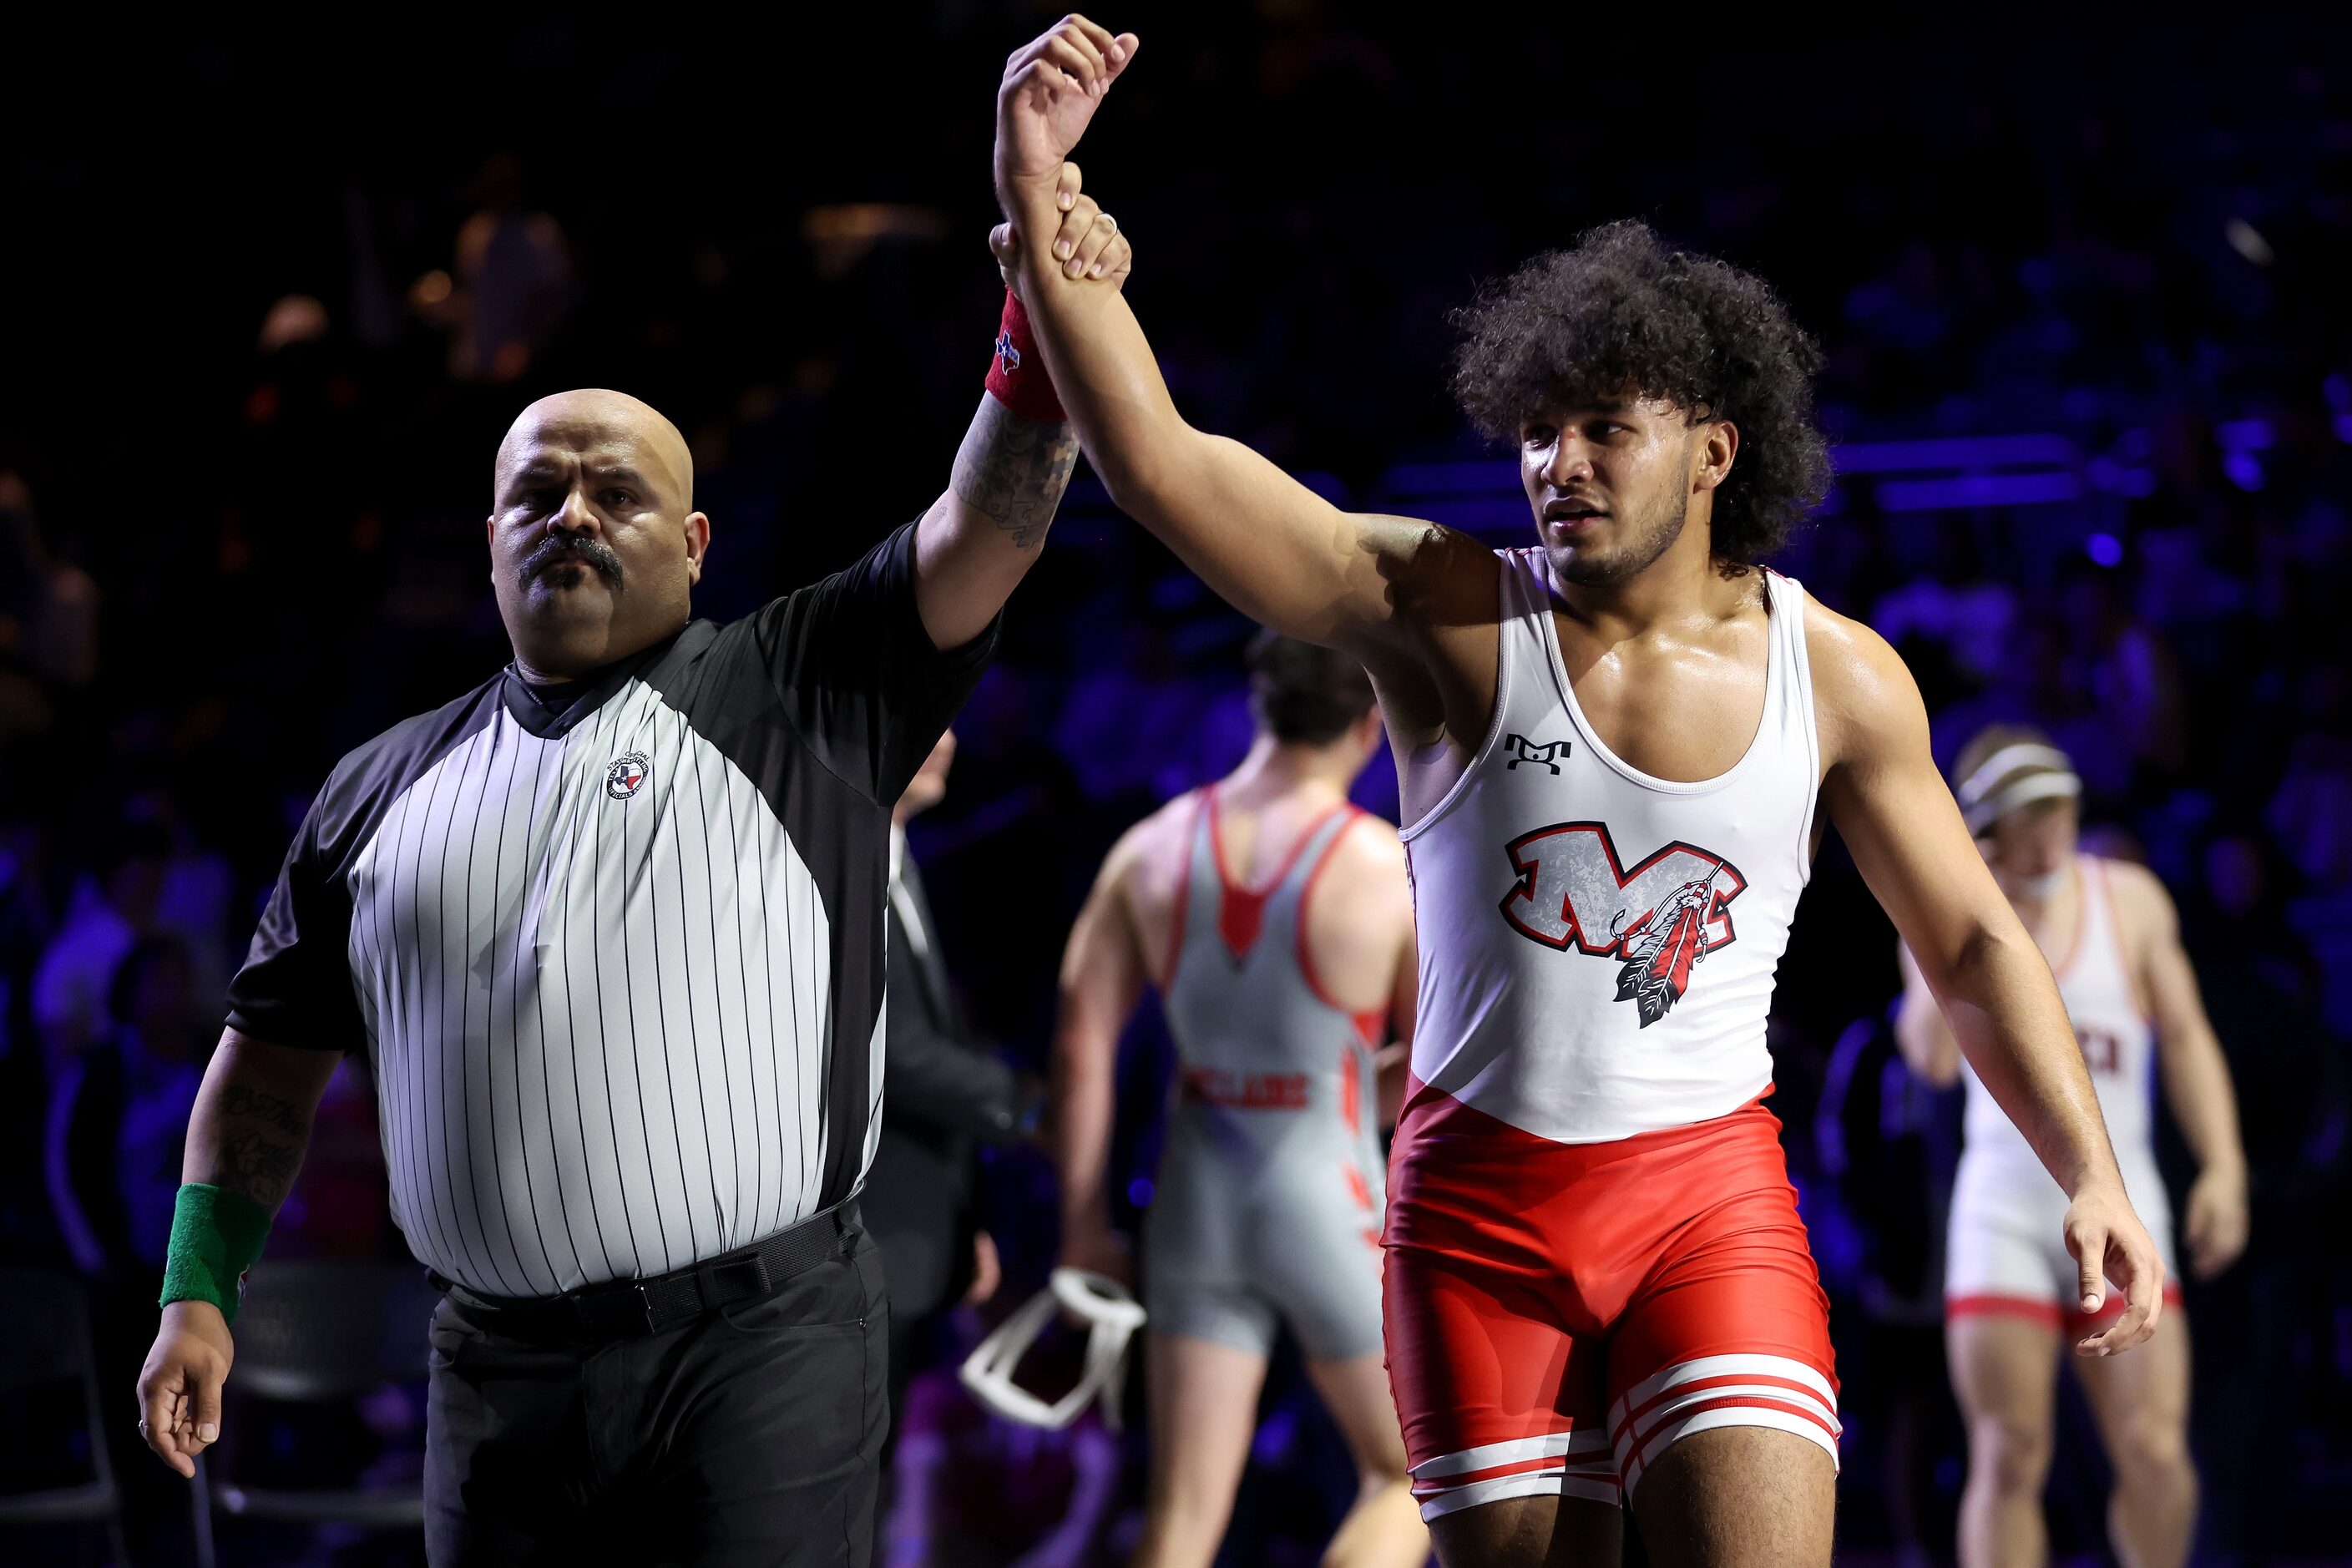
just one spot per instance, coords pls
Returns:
(1268, 1199)
(1277, 921)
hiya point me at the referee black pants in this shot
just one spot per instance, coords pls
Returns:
(752, 1434)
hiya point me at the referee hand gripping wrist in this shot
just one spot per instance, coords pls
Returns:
(1089, 244)
(180, 1386)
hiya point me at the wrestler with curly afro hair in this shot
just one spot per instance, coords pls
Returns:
(1622, 320)
(1631, 689)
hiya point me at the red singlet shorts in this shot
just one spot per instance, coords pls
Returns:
(1557, 1315)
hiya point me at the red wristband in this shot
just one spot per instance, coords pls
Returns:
(1017, 375)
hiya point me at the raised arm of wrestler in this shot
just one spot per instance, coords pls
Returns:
(1414, 604)
(1418, 605)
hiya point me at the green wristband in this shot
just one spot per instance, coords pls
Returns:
(215, 1238)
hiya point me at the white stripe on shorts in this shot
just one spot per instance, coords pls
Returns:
(1652, 1415)
(1596, 1485)
(1561, 1464)
(1511, 1451)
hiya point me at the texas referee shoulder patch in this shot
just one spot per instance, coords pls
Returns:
(626, 774)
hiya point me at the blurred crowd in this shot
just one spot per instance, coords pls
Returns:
(242, 534)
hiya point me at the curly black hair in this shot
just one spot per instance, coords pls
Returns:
(1622, 310)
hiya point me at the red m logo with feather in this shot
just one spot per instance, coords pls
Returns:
(1660, 919)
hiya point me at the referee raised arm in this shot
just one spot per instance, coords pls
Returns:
(611, 927)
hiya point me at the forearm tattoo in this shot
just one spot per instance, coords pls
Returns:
(1013, 471)
(259, 1141)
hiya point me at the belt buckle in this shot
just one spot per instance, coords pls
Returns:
(711, 1278)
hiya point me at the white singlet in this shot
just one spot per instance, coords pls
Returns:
(1598, 946)
(2118, 1044)
(2007, 1249)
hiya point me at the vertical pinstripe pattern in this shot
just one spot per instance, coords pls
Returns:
(599, 1022)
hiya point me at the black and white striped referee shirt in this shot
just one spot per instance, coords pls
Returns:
(619, 963)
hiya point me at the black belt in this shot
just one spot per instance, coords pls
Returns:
(630, 1309)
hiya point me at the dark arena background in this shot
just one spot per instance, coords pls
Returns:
(268, 295)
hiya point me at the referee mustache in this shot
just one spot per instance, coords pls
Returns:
(560, 547)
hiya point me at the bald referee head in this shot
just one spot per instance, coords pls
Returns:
(595, 546)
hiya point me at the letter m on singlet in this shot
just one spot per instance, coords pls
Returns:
(1572, 890)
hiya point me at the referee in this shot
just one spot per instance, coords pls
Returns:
(611, 926)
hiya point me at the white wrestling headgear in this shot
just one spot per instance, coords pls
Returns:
(1114, 1316)
(2014, 776)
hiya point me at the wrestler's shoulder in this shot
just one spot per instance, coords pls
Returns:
(1371, 844)
(1151, 850)
(1432, 568)
(1368, 871)
(1861, 685)
(2143, 903)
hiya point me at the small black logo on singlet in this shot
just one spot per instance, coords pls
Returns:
(1551, 754)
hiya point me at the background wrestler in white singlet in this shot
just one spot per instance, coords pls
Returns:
(2108, 929)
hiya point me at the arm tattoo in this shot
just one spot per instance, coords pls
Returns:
(239, 1101)
(1013, 471)
(260, 1168)
(259, 1144)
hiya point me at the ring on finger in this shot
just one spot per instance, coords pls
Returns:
(1109, 223)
